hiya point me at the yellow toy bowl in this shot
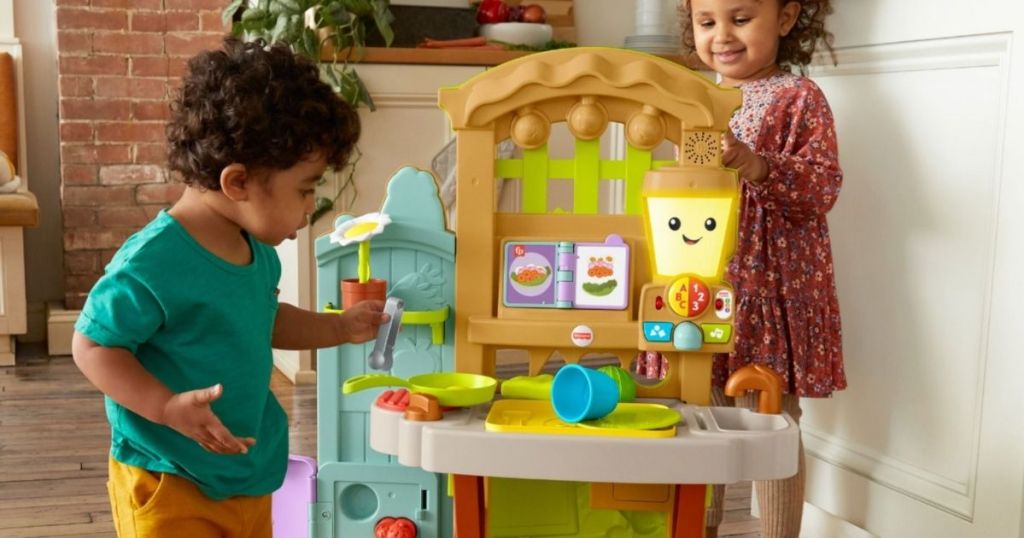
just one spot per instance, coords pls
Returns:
(452, 389)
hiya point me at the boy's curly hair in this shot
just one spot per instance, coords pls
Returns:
(796, 48)
(260, 106)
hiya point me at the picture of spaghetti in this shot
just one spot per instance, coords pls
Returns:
(530, 275)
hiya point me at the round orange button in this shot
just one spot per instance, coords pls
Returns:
(688, 296)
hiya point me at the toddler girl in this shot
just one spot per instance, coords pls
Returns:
(783, 144)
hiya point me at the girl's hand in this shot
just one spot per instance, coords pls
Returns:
(189, 414)
(736, 154)
(359, 324)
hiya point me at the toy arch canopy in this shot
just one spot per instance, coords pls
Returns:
(601, 72)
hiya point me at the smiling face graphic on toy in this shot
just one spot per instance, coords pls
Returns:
(690, 235)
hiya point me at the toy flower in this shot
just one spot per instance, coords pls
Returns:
(360, 230)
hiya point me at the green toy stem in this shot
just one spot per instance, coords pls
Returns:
(364, 262)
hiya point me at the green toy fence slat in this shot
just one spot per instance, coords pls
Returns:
(638, 161)
(561, 168)
(585, 183)
(535, 180)
(613, 169)
(509, 168)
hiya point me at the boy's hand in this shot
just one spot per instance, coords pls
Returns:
(189, 414)
(359, 323)
(736, 154)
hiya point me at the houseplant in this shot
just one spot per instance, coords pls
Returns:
(332, 32)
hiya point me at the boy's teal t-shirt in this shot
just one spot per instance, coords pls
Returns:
(194, 320)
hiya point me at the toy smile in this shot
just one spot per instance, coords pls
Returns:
(689, 241)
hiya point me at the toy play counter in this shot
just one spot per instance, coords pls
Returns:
(711, 445)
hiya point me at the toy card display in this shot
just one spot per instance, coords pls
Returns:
(563, 274)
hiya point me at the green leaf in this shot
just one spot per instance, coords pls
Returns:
(252, 14)
(229, 12)
(279, 29)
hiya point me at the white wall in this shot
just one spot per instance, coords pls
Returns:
(34, 25)
(929, 104)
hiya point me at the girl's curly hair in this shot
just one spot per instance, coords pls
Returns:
(797, 47)
(260, 106)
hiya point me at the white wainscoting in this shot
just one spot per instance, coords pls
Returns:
(920, 127)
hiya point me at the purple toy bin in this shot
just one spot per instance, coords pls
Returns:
(290, 504)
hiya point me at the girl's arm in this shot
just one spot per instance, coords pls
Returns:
(295, 328)
(119, 375)
(799, 148)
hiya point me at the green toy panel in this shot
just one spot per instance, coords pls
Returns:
(554, 509)
(586, 170)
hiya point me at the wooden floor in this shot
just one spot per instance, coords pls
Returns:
(54, 441)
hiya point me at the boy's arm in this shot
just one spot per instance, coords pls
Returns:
(295, 328)
(119, 375)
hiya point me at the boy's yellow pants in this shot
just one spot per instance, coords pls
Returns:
(147, 504)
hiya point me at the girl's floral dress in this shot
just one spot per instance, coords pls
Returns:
(788, 313)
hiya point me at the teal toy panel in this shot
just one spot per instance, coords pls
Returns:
(414, 254)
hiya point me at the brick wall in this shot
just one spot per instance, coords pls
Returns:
(119, 63)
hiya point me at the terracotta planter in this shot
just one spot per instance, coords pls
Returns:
(353, 293)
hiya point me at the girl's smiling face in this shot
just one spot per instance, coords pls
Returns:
(739, 39)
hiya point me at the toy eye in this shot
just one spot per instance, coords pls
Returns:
(674, 223)
(710, 224)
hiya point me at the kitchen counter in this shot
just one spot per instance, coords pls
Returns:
(485, 57)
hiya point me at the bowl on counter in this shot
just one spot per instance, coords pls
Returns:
(518, 33)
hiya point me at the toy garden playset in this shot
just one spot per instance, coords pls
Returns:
(584, 452)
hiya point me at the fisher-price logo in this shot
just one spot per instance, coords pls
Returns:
(582, 336)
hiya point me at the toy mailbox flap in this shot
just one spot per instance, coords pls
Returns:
(690, 219)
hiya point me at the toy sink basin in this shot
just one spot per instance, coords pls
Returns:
(739, 419)
(452, 389)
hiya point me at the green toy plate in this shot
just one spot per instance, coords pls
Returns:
(637, 417)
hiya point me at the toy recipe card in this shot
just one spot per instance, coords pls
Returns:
(563, 274)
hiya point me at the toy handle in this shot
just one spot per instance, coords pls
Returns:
(369, 381)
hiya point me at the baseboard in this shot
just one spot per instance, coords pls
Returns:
(817, 523)
(288, 363)
(60, 326)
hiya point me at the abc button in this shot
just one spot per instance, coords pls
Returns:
(658, 331)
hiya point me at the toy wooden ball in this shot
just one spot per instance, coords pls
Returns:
(646, 129)
(587, 119)
(530, 129)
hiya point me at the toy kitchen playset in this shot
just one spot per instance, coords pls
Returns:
(584, 452)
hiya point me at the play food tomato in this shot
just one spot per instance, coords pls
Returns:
(534, 13)
(390, 527)
(491, 11)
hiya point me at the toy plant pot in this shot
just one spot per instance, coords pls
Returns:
(354, 292)
(452, 389)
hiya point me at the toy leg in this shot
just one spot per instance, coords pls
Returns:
(470, 518)
(689, 515)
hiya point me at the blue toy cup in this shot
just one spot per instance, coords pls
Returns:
(579, 393)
